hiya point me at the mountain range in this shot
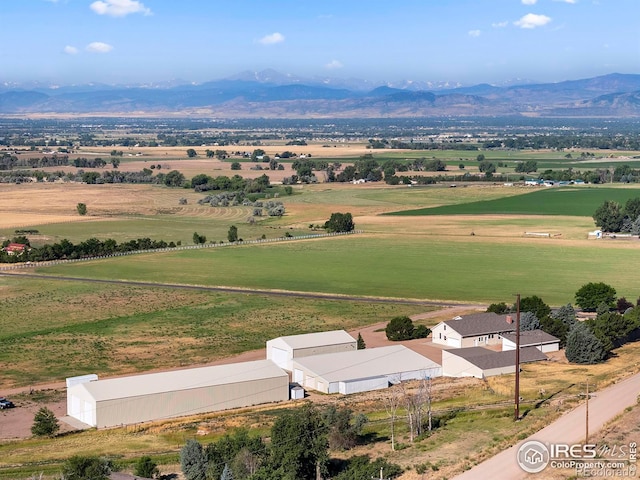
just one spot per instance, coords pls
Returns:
(269, 94)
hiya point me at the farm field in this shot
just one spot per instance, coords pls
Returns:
(468, 246)
(572, 201)
(50, 330)
(455, 268)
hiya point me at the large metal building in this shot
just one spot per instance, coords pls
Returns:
(283, 350)
(362, 370)
(156, 396)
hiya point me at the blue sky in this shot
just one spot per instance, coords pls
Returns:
(466, 41)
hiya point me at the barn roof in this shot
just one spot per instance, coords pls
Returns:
(193, 378)
(488, 359)
(308, 340)
(369, 362)
(481, 324)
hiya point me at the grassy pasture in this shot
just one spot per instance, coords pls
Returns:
(51, 330)
(571, 201)
(451, 268)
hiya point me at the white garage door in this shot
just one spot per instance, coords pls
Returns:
(298, 376)
(279, 357)
(453, 342)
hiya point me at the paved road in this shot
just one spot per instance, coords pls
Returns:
(570, 428)
(249, 291)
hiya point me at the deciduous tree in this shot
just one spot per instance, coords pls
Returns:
(592, 294)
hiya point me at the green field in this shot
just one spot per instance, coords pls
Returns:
(51, 329)
(462, 269)
(570, 201)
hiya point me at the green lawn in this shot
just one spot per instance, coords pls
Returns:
(460, 269)
(571, 201)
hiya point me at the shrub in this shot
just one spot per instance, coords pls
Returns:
(146, 468)
(45, 423)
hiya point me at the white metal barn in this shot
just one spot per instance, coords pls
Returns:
(362, 370)
(283, 350)
(156, 396)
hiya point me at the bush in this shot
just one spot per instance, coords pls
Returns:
(498, 308)
(82, 209)
(402, 328)
(86, 468)
(146, 468)
(45, 423)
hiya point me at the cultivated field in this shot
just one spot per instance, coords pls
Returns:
(469, 248)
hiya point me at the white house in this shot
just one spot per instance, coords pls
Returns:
(283, 350)
(475, 330)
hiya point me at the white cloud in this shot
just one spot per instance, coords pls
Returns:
(99, 47)
(70, 50)
(529, 2)
(499, 24)
(272, 39)
(531, 20)
(333, 64)
(119, 8)
(572, 2)
(474, 33)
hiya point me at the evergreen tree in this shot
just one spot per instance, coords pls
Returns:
(583, 346)
(193, 461)
(361, 345)
(45, 423)
(529, 321)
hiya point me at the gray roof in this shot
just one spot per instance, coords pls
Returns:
(531, 337)
(487, 359)
(481, 324)
(369, 362)
(308, 340)
(153, 383)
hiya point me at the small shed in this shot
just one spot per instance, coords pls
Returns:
(283, 350)
(362, 370)
(297, 392)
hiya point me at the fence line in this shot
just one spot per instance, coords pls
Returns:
(49, 263)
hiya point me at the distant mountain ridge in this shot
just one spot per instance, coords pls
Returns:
(270, 94)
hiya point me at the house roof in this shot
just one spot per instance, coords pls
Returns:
(531, 337)
(308, 340)
(481, 324)
(193, 378)
(15, 247)
(366, 363)
(488, 359)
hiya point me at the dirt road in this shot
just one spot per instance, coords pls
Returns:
(570, 428)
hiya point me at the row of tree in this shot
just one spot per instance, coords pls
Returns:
(299, 450)
(65, 249)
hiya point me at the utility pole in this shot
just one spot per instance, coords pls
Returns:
(517, 395)
(586, 417)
